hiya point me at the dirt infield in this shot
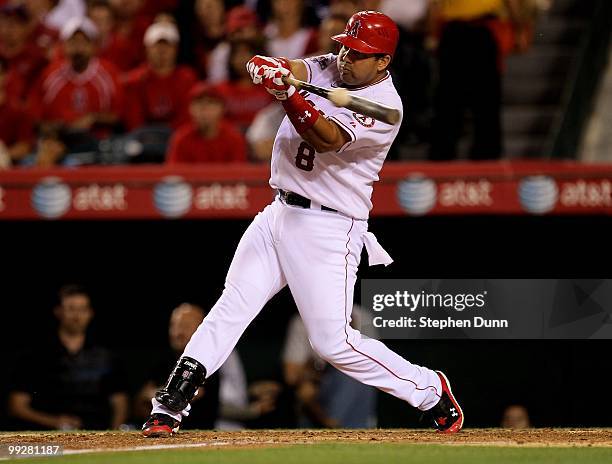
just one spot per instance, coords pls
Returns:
(262, 438)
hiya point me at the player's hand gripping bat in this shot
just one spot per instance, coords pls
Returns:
(342, 97)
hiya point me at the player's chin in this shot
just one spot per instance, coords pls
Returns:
(347, 77)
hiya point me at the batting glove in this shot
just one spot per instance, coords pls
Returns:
(258, 65)
(274, 84)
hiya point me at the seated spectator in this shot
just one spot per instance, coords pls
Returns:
(154, 7)
(16, 132)
(157, 93)
(241, 25)
(326, 397)
(515, 416)
(57, 141)
(112, 46)
(43, 34)
(331, 25)
(346, 8)
(54, 13)
(131, 23)
(262, 132)
(207, 33)
(25, 59)
(184, 321)
(208, 138)
(225, 401)
(72, 383)
(242, 404)
(243, 100)
(79, 92)
(285, 33)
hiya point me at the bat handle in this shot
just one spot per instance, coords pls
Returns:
(290, 80)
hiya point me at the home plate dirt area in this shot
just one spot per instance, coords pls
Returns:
(117, 441)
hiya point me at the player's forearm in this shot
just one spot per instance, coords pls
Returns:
(324, 136)
(298, 69)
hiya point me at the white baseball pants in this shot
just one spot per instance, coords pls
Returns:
(317, 254)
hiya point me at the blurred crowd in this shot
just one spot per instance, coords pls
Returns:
(79, 383)
(139, 81)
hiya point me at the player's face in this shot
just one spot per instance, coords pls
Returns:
(74, 313)
(358, 68)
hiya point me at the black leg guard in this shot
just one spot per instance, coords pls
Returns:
(187, 376)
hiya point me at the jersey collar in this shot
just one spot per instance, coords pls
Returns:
(337, 84)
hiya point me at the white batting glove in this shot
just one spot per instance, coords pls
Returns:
(258, 65)
(274, 84)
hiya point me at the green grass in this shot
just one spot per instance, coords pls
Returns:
(350, 453)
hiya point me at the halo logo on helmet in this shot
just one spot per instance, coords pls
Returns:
(370, 32)
(354, 30)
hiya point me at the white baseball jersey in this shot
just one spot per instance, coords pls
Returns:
(341, 180)
(317, 253)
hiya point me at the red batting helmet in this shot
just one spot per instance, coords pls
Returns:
(370, 32)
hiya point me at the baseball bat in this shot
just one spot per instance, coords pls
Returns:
(342, 97)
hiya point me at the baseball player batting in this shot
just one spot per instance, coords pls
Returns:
(324, 163)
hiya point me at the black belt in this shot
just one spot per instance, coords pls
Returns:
(295, 199)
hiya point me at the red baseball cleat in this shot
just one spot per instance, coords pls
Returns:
(446, 416)
(160, 425)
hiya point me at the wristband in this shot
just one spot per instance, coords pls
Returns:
(301, 113)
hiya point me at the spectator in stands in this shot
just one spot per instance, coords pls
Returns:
(130, 27)
(152, 8)
(184, 321)
(208, 138)
(243, 100)
(515, 416)
(72, 383)
(207, 33)
(80, 93)
(25, 59)
(42, 34)
(112, 46)
(225, 402)
(346, 8)
(261, 133)
(16, 132)
(157, 93)
(331, 25)
(326, 397)
(241, 25)
(285, 33)
(54, 13)
(469, 57)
